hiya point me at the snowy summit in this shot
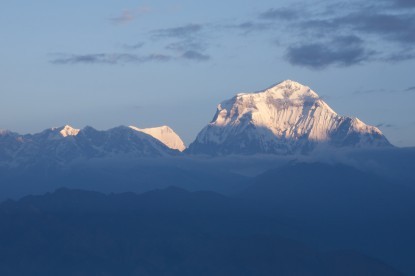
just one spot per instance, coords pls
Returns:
(165, 135)
(286, 118)
(68, 131)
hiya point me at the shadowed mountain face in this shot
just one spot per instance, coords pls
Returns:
(167, 232)
(284, 119)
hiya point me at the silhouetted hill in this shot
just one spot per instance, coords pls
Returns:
(163, 232)
(337, 206)
(317, 189)
(163, 200)
(118, 177)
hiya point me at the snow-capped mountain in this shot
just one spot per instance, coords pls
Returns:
(65, 144)
(68, 131)
(286, 118)
(165, 135)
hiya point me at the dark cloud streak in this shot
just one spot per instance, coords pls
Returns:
(394, 27)
(112, 59)
(123, 58)
(179, 32)
(189, 43)
(133, 46)
(404, 3)
(342, 51)
(388, 27)
(250, 26)
(410, 89)
(316, 36)
(194, 55)
(280, 14)
(403, 55)
(186, 45)
(385, 125)
(125, 17)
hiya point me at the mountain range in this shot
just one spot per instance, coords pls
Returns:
(277, 183)
(65, 144)
(288, 118)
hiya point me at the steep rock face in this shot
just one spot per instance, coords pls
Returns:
(284, 119)
(164, 134)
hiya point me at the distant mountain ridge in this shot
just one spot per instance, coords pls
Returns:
(288, 118)
(284, 119)
(168, 232)
(65, 144)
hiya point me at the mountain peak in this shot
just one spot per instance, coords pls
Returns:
(4, 132)
(291, 89)
(289, 84)
(68, 130)
(287, 90)
(286, 118)
(164, 134)
(286, 93)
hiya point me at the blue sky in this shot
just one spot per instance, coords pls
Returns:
(109, 63)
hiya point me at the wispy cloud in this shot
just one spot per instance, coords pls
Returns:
(249, 26)
(106, 58)
(398, 56)
(179, 32)
(373, 91)
(194, 55)
(404, 3)
(133, 46)
(386, 125)
(188, 41)
(284, 13)
(385, 91)
(125, 58)
(383, 30)
(130, 15)
(410, 89)
(186, 45)
(392, 27)
(341, 51)
(315, 36)
(125, 17)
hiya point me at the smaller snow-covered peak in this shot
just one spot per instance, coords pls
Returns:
(164, 134)
(4, 132)
(358, 126)
(69, 131)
